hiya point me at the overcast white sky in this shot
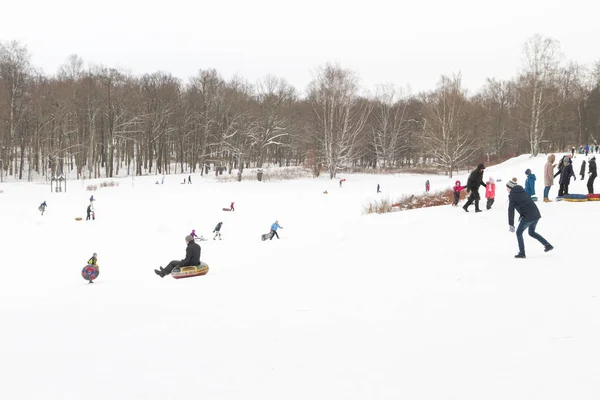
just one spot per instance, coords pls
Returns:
(402, 42)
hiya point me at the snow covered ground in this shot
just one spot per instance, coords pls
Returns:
(424, 304)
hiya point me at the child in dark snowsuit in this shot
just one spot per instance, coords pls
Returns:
(457, 189)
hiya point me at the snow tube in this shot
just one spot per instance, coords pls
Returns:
(226, 209)
(90, 272)
(190, 271)
(593, 196)
(78, 219)
(575, 197)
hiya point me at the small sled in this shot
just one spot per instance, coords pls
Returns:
(189, 271)
(226, 209)
(90, 272)
(78, 219)
(534, 198)
(266, 236)
(593, 197)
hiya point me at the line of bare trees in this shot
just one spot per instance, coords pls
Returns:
(99, 121)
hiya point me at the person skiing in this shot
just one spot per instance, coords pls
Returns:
(593, 174)
(231, 207)
(192, 257)
(548, 176)
(456, 192)
(90, 213)
(217, 231)
(42, 207)
(490, 193)
(519, 200)
(582, 170)
(530, 183)
(565, 176)
(475, 180)
(274, 228)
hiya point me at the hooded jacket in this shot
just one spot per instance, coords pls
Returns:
(530, 184)
(476, 179)
(549, 171)
(519, 200)
(457, 188)
(566, 174)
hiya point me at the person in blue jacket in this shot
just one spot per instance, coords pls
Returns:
(274, 228)
(530, 183)
(519, 200)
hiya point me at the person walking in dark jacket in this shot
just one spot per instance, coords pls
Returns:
(565, 177)
(217, 231)
(519, 200)
(192, 257)
(592, 171)
(473, 183)
(582, 170)
(90, 213)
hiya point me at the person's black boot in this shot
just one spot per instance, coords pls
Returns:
(465, 208)
(548, 248)
(477, 206)
(159, 273)
(520, 255)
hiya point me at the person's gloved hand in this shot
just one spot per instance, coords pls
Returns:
(511, 229)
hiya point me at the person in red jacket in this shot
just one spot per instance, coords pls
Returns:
(231, 207)
(457, 189)
(490, 192)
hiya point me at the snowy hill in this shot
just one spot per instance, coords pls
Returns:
(424, 304)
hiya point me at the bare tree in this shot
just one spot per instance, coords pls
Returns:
(445, 136)
(341, 116)
(273, 121)
(388, 126)
(498, 98)
(538, 78)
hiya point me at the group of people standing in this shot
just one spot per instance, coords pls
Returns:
(566, 172)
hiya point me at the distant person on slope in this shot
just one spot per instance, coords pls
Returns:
(42, 207)
(490, 193)
(530, 183)
(274, 228)
(231, 207)
(90, 213)
(193, 234)
(192, 258)
(217, 231)
(378, 187)
(427, 185)
(548, 177)
(456, 192)
(565, 176)
(593, 174)
(475, 180)
(519, 200)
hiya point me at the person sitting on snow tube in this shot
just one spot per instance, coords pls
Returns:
(192, 258)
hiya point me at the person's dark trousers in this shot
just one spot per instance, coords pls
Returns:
(489, 204)
(590, 184)
(564, 189)
(274, 233)
(473, 198)
(169, 268)
(530, 225)
(456, 197)
(88, 217)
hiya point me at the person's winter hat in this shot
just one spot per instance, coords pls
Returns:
(527, 171)
(480, 166)
(189, 238)
(491, 179)
(95, 255)
(512, 183)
